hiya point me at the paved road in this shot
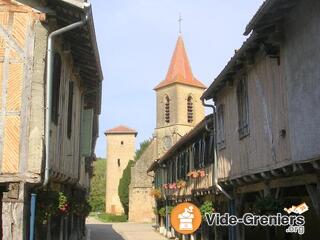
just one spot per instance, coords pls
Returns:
(120, 231)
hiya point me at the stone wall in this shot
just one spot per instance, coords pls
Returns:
(140, 202)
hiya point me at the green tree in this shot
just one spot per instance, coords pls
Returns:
(123, 188)
(98, 186)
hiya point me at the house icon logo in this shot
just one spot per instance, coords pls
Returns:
(186, 218)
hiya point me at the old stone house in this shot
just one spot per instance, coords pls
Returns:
(266, 119)
(179, 109)
(50, 90)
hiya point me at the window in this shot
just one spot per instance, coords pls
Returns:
(243, 107)
(220, 131)
(55, 88)
(119, 163)
(167, 110)
(190, 109)
(70, 106)
(121, 142)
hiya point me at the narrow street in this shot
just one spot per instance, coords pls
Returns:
(120, 231)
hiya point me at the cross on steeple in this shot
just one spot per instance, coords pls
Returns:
(180, 20)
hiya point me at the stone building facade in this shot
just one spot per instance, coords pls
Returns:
(121, 145)
(179, 109)
(141, 203)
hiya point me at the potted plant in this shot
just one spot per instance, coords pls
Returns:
(162, 211)
(206, 207)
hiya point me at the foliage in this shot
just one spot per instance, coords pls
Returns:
(51, 203)
(143, 146)
(98, 186)
(123, 188)
(162, 211)
(268, 204)
(206, 207)
(80, 207)
(104, 217)
(47, 205)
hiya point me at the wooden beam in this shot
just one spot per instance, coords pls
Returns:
(300, 180)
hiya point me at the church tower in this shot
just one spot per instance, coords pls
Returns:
(121, 148)
(179, 107)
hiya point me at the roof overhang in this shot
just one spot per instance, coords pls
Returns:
(83, 46)
(266, 35)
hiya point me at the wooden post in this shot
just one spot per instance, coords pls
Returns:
(314, 194)
(13, 212)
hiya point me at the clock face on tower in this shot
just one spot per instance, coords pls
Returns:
(167, 142)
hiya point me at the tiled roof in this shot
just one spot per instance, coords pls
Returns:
(121, 129)
(180, 69)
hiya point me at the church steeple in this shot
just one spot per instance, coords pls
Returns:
(179, 107)
(180, 69)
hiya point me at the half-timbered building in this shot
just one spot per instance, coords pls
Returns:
(50, 87)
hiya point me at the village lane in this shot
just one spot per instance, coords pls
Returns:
(97, 230)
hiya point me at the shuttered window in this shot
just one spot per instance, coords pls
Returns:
(243, 107)
(86, 132)
(56, 78)
(221, 131)
(70, 110)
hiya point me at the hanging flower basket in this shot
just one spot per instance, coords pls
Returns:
(156, 193)
(193, 174)
(165, 186)
(202, 173)
(51, 203)
(172, 186)
(181, 184)
(80, 207)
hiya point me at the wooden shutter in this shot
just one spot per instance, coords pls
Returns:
(86, 132)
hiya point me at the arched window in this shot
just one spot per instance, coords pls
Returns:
(167, 109)
(119, 163)
(190, 109)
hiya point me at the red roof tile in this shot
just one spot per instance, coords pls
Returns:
(121, 129)
(180, 69)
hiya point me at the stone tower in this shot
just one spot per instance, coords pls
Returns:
(121, 147)
(179, 107)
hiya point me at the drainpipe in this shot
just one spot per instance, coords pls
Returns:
(215, 167)
(32, 215)
(49, 89)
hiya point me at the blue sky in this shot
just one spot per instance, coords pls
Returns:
(136, 39)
